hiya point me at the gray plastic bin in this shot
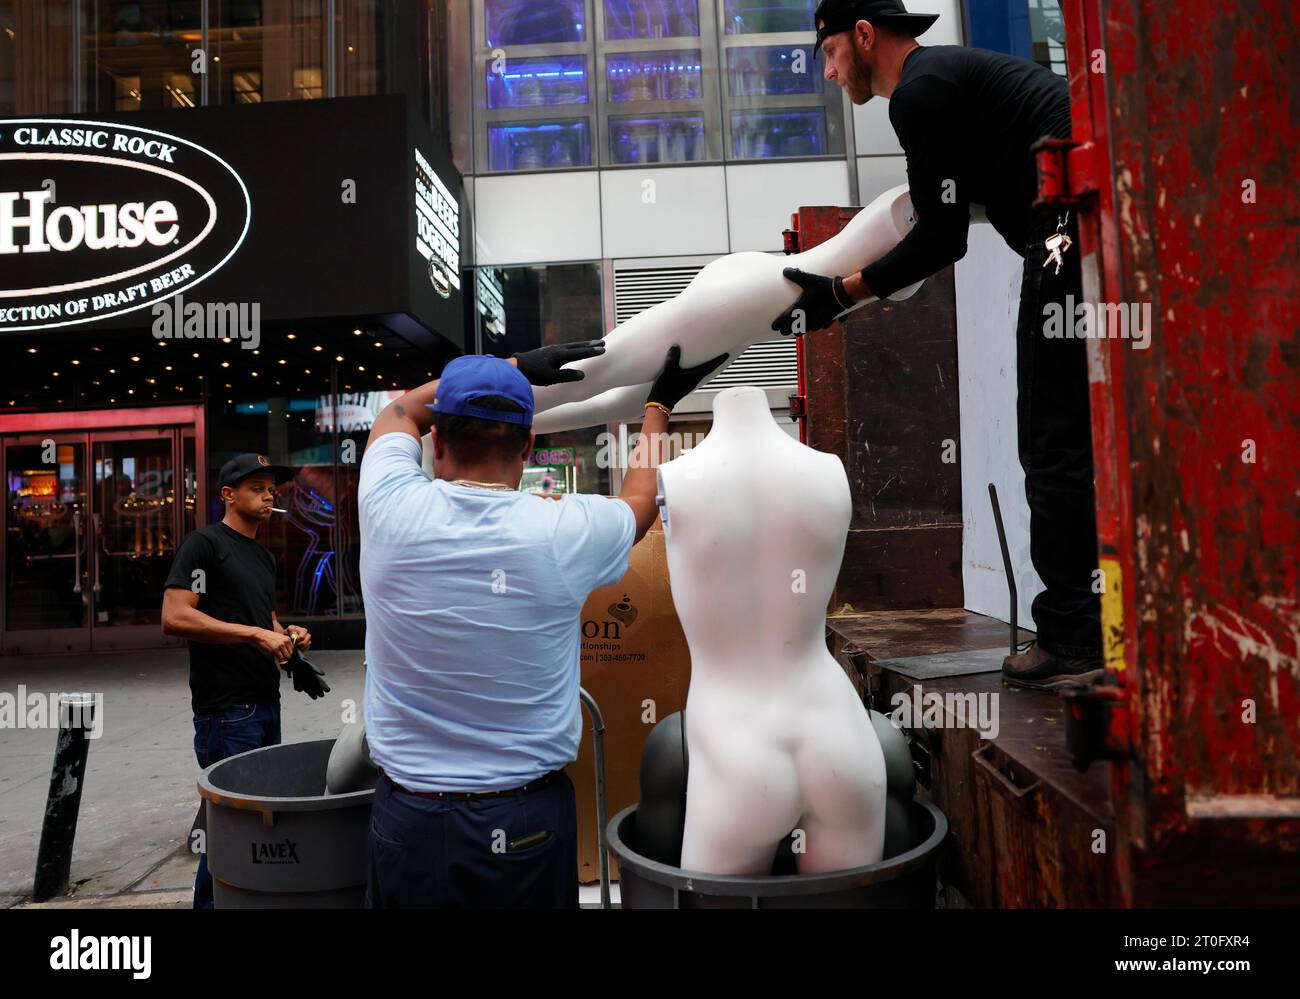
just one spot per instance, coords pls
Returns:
(275, 840)
(904, 881)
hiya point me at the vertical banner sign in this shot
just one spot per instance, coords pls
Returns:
(437, 228)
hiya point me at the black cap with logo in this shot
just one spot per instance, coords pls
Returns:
(242, 466)
(834, 16)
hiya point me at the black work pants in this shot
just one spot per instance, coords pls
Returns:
(1055, 443)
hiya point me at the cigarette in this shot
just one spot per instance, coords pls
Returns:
(276, 509)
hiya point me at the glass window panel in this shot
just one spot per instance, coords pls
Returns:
(128, 93)
(775, 133)
(1047, 34)
(308, 83)
(139, 56)
(38, 57)
(626, 19)
(552, 303)
(45, 522)
(770, 69)
(534, 22)
(539, 145)
(657, 139)
(754, 17)
(655, 76)
(267, 52)
(538, 82)
(296, 431)
(135, 496)
(574, 461)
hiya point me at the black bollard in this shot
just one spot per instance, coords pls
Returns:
(54, 857)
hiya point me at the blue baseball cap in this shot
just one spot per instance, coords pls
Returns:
(473, 376)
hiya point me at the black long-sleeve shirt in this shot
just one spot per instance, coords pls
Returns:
(966, 119)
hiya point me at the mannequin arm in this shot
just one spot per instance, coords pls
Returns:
(612, 406)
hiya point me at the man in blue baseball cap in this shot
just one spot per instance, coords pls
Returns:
(473, 595)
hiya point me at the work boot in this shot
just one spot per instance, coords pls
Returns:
(1038, 669)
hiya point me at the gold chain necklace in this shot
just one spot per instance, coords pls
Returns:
(499, 486)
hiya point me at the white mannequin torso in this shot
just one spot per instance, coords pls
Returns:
(755, 525)
(727, 307)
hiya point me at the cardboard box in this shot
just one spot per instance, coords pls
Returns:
(636, 665)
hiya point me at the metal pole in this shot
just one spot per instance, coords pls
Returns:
(204, 15)
(54, 856)
(598, 740)
(1006, 564)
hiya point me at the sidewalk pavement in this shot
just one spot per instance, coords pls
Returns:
(140, 797)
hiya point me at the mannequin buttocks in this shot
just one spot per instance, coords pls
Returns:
(755, 525)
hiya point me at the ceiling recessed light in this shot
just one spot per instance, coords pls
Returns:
(318, 347)
(195, 354)
(293, 336)
(112, 371)
(74, 361)
(356, 332)
(361, 367)
(167, 367)
(134, 358)
(283, 361)
(225, 364)
(338, 357)
(31, 350)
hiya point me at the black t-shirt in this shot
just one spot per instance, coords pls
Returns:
(239, 588)
(966, 119)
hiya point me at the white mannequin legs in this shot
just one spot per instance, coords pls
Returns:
(778, 740)
(728, 306)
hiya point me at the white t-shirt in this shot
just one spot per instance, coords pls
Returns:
(473, 599)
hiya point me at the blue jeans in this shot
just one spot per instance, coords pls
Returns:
(439, 854)
(238, 729)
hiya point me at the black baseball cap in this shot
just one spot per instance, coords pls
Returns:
(834, 16)
(242, 466)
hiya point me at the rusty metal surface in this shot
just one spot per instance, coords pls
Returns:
(880, 391)
(1196, 436)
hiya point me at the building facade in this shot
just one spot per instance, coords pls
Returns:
(547, 167)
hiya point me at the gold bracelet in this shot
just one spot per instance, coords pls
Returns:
(659, 406)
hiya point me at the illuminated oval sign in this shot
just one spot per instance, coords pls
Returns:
(99, 219)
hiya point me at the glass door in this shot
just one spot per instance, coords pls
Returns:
(46, 558)
(136, 514)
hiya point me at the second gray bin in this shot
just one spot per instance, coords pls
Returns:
(275, 840)
(906, 880)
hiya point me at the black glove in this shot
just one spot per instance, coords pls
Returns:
(306, 677)
(822, 300)
(543, 365)
(675, 383)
